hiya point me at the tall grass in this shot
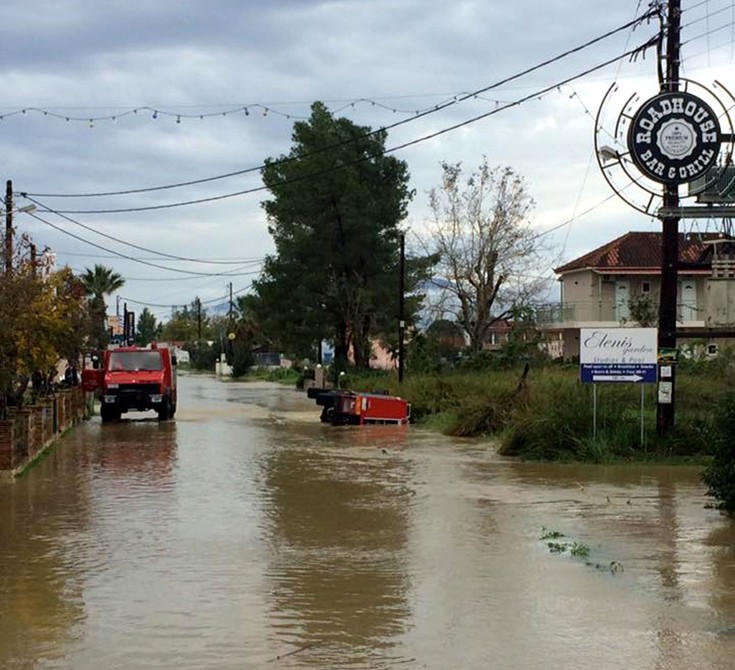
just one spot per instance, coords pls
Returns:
(550, 416)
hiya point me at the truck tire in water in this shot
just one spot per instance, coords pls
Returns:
(108, 414)
(166, 411)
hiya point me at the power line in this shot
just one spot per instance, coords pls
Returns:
(232, 260)
(127, 244)
(130, 258)
(536, 94)
(222, 299)
(148, 279)
(647, 15)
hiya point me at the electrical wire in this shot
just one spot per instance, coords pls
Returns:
(708, 33)
(574, 218)
(536, 94)
(253, 260)
(147, 279)
(127, 244)
(224, 298)
(647, 15)
(707, 16)
(131, 258)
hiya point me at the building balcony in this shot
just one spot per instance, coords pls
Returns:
(604, 314)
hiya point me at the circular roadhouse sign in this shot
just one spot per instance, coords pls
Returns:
(674, 137)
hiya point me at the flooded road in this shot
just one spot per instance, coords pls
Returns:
(248, 535)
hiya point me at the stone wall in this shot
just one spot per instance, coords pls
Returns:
(29, 430)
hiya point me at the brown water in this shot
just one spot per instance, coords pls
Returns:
(248, 535)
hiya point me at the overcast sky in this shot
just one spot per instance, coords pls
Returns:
(190, 69)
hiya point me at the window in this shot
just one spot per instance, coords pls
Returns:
(711, 349)
(646, 287)
(135, 360)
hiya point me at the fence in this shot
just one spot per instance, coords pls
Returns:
(30, 430)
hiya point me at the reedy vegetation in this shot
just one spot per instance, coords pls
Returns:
(551, 417)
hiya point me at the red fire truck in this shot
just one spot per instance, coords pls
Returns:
(133, 379)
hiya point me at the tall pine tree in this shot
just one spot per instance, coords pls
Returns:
(337, 202)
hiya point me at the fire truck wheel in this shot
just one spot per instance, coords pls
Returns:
(165, 413)
(108, 414)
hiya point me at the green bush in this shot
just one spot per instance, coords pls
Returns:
(242, 359)
(719, 475)
(203, 356)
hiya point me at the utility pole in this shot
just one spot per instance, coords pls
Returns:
(229, 313)
(669, 241)
(401, 300)
(8, 227)
(199, 319)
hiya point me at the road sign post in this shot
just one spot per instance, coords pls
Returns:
(618, 355)
(609, 355)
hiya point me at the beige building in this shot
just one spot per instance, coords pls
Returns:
(619, 283)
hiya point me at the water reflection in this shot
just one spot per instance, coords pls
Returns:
(41, 592)
(247, 530)
(143, 450)
(338, 524)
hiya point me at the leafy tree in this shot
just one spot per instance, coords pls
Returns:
(643, 310)
(184, 325)
(43, 321)
(336, 203)
(100, 282)
(148, 328)
(487, 250)
(447, 337)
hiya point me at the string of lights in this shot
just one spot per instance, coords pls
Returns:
(536, 95)
(432, 110)
(255, 109)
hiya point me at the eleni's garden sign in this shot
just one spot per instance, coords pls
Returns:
(618, 355)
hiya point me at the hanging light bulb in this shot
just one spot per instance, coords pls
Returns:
(247, 113)
(178, 119)
(155, 114)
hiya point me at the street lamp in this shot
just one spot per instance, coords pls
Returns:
(607, 153)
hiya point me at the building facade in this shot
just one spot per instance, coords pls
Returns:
(619, 285)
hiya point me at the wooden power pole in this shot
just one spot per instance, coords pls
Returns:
(8, 227)
(401, 300)
(670, 241)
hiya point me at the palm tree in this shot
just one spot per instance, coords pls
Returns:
(98, 283)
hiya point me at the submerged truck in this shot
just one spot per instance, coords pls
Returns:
(134, 379)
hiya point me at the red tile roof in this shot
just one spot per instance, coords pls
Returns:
(642, 251)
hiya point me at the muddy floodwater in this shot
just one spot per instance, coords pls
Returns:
(248, 535)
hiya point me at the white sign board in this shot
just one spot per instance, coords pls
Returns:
(618, 354)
